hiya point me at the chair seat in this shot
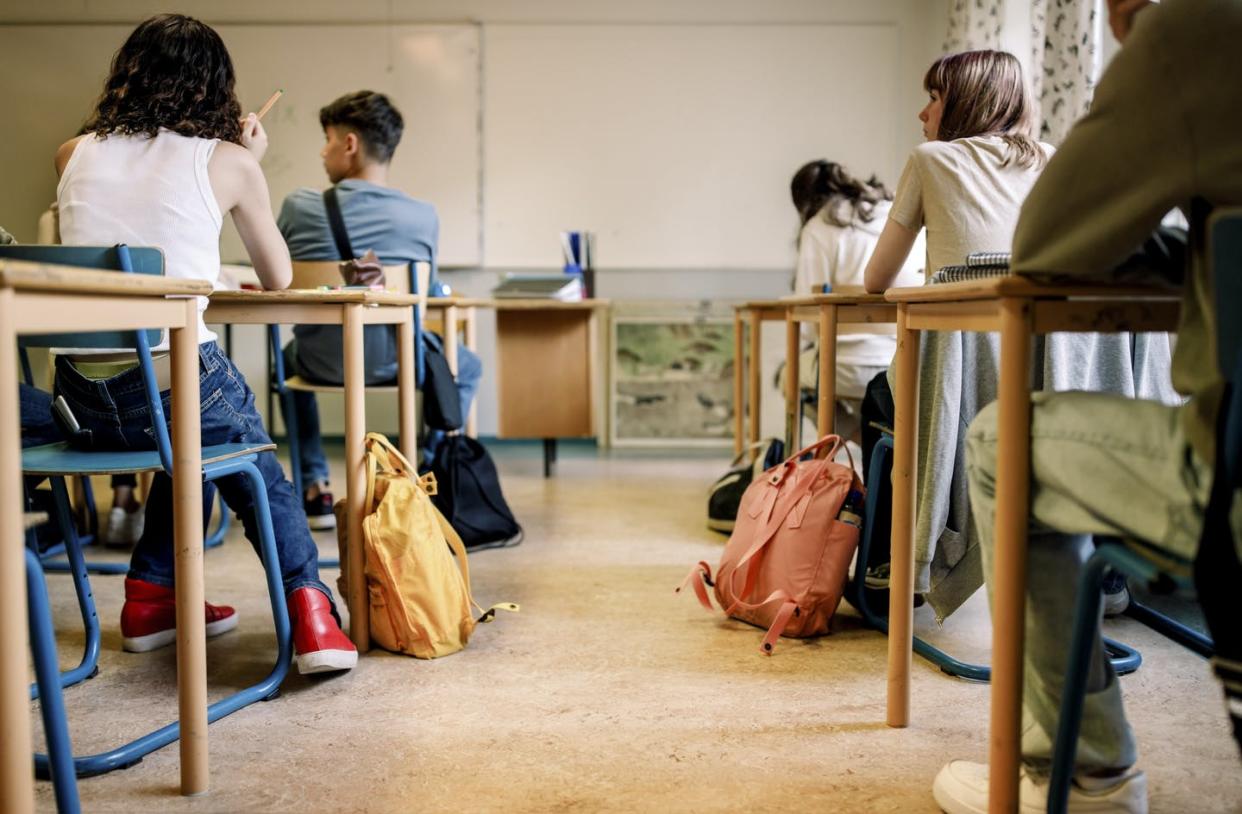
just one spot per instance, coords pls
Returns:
(298, 383)
(62, 459)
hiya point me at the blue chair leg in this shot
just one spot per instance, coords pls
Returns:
(1125, 659)
(64, 517)
(89, 666)
(222, 529)
(133, 752)
(52, 707)
(1170, 628)
(1073, 693)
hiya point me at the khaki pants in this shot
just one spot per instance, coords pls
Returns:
(1100, 465)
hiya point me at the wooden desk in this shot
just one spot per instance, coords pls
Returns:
(1018, 309)
(41, 299)
(461, 313)
(351, 309)
(832, 314)
(550, 381)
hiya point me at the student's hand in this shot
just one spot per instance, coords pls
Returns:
(1121, 16)
(253, 136)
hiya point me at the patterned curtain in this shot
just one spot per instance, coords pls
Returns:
(1065, 61)
(973, 24)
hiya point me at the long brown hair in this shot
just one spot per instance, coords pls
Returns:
(984, 94)
(172, 72)
(844, 199)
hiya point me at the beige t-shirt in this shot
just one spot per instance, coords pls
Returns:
(966, 194)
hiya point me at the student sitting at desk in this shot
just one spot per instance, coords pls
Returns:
(1161, 134)
(841, 220)
(361, 130)
(166, 153)
(965, 184)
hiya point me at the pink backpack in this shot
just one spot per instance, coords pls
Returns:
(787, 561)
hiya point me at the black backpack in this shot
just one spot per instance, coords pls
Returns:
(725, 495)
(469, 496)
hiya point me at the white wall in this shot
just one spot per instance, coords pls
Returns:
(883, 90)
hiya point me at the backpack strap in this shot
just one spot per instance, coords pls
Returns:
(787, 612)
(700, 576)
(459, 551)
(337, 223)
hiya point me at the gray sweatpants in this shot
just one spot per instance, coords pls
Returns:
(1100, 464)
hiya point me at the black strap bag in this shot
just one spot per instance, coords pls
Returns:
(441, 401)
(468, 495)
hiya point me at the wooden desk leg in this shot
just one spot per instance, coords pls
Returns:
(739, 381)
(472, 342)
(405, 387)
(1013, 453)
(901, 578)
(793, 385)
(355, 475)
(450, 337)
(754, 372)
(826, 414)
(16, 773)
(188, 545)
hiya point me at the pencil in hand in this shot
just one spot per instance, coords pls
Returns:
(268, 104)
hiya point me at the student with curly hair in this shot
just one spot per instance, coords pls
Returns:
(166, 154)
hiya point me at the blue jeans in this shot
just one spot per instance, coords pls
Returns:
(115, 413)
(306, 409)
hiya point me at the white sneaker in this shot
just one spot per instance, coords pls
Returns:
(961, 787)
(1117, 602)
(124, 528)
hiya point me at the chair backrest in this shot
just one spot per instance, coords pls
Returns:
(143, 260)
(108, 258)
(316, 273)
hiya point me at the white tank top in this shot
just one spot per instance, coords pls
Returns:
(146, 192)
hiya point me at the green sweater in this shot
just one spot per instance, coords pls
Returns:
(1163, 131)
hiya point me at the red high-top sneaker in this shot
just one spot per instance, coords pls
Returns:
(149, 617)
(320, 645)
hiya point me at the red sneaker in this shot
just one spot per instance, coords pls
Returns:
(320, 644)
(149, 617)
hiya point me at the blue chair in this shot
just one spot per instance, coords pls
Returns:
(75, 563)
(60, 460)
(1163, 571)
(403, 279)
(1125, 659)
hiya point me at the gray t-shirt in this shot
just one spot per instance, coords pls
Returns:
(398, 228)
(967, 193)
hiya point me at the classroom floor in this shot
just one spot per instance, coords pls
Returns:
(608, 692)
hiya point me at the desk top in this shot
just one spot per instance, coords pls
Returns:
(535, 304)
(1013, 286)
(48, 277)
(845, 298)
(315, 296)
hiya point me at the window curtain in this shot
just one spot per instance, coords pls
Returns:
(1066, 40)
(973, 25)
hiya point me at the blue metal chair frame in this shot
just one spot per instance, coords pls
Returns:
(220, 461)
(277, 385)
(1163, 571)
(1125, 659)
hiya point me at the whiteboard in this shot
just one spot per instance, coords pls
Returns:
(431, 73)
(674, 143)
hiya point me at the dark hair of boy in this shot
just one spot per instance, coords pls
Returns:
(370, 115)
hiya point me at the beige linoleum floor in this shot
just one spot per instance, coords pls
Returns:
(606, 693)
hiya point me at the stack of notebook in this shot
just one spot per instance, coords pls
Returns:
(562, 287)
(978, 265)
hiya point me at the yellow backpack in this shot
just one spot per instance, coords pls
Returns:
(420, 599)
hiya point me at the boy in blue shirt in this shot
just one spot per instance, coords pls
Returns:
(361, 132)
